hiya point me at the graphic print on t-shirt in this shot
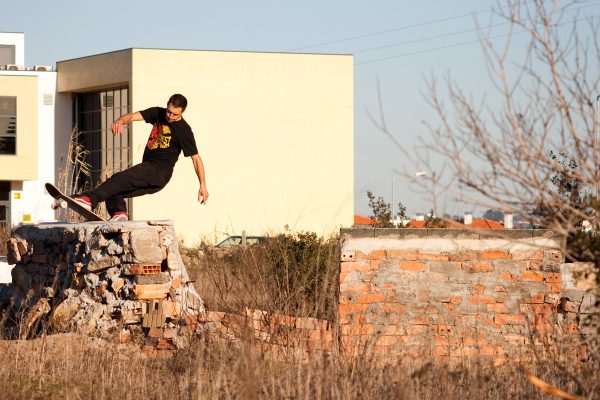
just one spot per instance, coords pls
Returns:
(160, 137)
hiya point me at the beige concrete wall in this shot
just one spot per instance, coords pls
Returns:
(95, 72)
(275, 132)
(23, 165)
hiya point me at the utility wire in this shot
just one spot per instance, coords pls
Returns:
(401, 28)
(454, 33)
(452, 45)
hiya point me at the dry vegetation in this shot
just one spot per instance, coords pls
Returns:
(72, 367)
(295, 274)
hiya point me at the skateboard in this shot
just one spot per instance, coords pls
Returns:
(64, 201)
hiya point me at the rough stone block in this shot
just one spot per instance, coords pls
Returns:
(145, 246)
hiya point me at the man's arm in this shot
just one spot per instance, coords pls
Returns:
(199, 168)
(117, 126)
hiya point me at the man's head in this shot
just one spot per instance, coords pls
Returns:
(175, 107)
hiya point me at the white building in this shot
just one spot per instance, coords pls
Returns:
(275, 132)
(27, 134)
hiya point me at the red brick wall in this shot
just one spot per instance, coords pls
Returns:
(414, 293)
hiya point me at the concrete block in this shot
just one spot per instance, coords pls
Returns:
(145, 246)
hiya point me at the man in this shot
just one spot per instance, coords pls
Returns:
(170, 135)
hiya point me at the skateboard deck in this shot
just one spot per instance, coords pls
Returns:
(70, 203)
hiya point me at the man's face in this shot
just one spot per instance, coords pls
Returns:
(173, 113)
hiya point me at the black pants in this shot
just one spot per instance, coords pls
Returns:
(141, 179)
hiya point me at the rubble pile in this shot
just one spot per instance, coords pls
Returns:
(103, 278)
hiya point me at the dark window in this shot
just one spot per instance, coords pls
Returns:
(94, 114)
(4, 190)
(8, 125)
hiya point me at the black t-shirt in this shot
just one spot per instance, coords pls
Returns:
(166, 139)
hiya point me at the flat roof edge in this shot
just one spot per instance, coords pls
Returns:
(206, 51)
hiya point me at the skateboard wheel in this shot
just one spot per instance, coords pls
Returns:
(62, 203)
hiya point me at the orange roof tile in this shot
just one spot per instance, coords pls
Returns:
(361, 220)
(484, 223)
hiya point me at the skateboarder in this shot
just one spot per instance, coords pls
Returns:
(170, 135)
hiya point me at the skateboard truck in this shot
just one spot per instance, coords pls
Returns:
(59, 203)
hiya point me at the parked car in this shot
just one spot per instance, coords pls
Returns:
(237, 241)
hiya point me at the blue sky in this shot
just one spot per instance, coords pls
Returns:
(61, 30)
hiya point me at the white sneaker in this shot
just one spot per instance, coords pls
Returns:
(119, 216)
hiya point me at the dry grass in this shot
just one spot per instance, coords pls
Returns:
(4, 236)
(295, 275)
(75, 367)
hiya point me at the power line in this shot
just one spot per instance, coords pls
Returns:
(435, 21)
(450, 46)
(387, 46)
(454, 33)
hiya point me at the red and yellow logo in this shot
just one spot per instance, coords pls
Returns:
(160, 137)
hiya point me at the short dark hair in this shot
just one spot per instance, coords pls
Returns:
(178, 100)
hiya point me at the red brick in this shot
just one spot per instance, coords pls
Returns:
(478, 289)
(537, 298)
(481, 300)
(422, 320)
(500, 288)
(343, 276)
(416, 329)
(352, 266)
(546, 309)
(403, 254)
(471, 341)
(370, 298)
(463, 256)
(571, 328)
(432, 257)
(491, 351)
(443, 329)
(477, 266)
(533, 276)
(355, 287)
(553, 287)
(412, 266)
(374, 264)
(351, 308)
(465, 351)
(534, 266)
(497, 308)
(495, 255)
(393, 307)
(440, 340)
(376, 255)
(527, 255)
(438, 351)
(357, 329)
(552, 277)
(386, 340)
(553, 255)
(503, 319)
(506, 275)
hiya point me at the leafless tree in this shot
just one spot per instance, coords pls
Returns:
(539, 126)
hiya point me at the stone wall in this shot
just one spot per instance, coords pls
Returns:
(451, 294)
(102, 278)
